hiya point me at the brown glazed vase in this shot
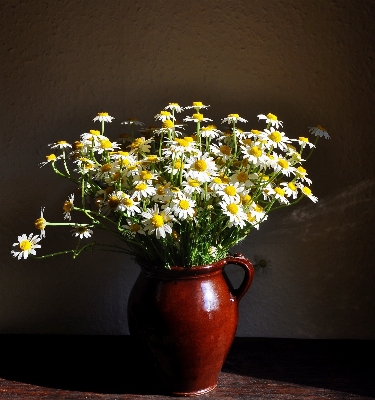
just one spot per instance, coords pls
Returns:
(187, 319)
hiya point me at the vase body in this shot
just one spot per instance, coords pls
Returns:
(187, 319)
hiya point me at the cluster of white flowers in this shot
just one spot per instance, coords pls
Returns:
(173, 197)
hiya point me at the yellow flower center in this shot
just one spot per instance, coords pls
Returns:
(103, 114)
(217, 180)
(113, 201)
(197, 104)
(246, 199)
(283, 163)
(232, 208)
(272, 116)
(105, 167)
(40, 223)
(77, 145)
(177, 164)
(198, 116)
(189, 139)
(301, 170)
(175, 189)
(61, 142)
(95, 132)
(256, 132)
(152, 158)
(303, 139)
(134, 227)
(275, 136)
(25, 245)
(292, 186)
(321, 128)
(141, 186)
(209, 128)
(242, 177)
(255, 151)
(168, 124)
(67, 207)
(165, 113)
(157, 220)
(248, 142)
(184, 204)
(182, 142)
(51, 157)
(306, 191)
(146, 175)
(250, 217)
(279, 191)
(233, 115)
(127, 202)
(230, 191)
(225, 150)
(194, 183)
(258, 208)
(160, 190)
(137, 142)
(200, 165)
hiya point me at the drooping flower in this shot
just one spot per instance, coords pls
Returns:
(68, 207)
(319, 131)
(41, 223)
(82, 231)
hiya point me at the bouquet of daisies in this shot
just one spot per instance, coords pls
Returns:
(178, 193)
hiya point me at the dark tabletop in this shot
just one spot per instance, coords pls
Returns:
(109, 367)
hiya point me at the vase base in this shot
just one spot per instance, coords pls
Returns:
(196, 393)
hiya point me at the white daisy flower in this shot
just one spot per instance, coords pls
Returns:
(68, 207)
(49, 159)
(192, 186)
(62, 144)
(180, 146)
(146, 176)
(223, 151)
(231, 193)
(132, 121)
(243, 178)
(183, 208)
(81, 231)
(217, 184)
(127, 205)
(106, 145)
(254, 154)
(290, 189)
(41, 223)
(142, 189)
(280, 195)
(307, 192)
(237, 217)
(132, 228)
(26, 245)
(319, 131)
(175, 167)
(198, 117)
(202, 168)
(210, 131)
(174, 107)
(303, 142)
(301, 175)
(141, 145)
(164, 116)
(271, 119)
(233, 118)
(103, 116)
(284, 167)
(197, 105)
(276, 139)
(158, 222)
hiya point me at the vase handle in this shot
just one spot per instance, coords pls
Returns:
(247, 266)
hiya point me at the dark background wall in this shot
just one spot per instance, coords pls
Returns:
(309, 62)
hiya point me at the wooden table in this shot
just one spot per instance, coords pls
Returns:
(107, 367)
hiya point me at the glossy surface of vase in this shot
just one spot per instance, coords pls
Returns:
(187, 320)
